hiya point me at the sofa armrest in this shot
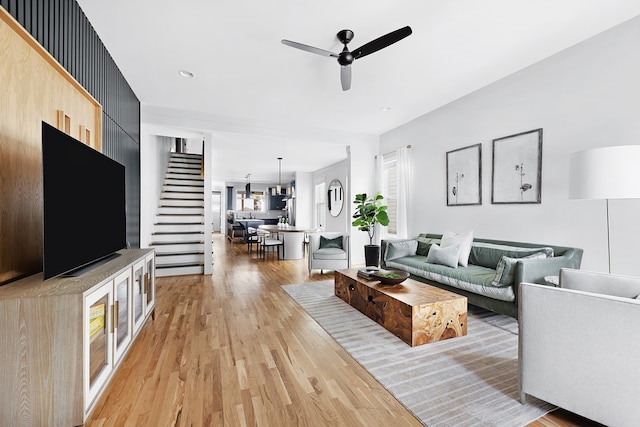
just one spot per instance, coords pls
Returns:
(578, 350)
(536, 269)
(384, 246)
(314, 242)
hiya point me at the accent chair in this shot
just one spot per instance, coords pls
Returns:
(579, 345)
(329, 251)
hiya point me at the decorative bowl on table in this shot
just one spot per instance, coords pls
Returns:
(390, 277)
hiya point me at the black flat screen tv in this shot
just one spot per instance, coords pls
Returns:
(84, 204)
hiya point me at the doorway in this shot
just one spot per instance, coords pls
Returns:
(216, 213)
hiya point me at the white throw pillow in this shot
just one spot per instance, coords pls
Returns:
(444, 256)
(464, 240)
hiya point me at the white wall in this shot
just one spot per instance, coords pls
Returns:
(194, 146)
(357, 175)
(304, 200)
(339, 171)
(362, 165)
(584, 97)
(206, 149)
(154, 158)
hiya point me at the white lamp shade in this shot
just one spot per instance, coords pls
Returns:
(605, 173)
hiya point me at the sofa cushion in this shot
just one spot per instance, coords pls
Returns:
(505, 271)
(489, 254)
(464, 240)
(444, 256)
(330, 253)
(473, 278)
(424, 243)
(336, 242)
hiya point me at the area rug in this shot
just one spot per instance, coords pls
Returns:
(464, 381)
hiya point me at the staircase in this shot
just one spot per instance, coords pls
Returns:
(178, 236)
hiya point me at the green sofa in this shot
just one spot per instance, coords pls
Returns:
(495, 268)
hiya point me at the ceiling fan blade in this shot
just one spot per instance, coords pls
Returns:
(311, 49)
(345, 76)
(381, 42)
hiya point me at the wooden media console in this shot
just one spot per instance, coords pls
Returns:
(62, 339)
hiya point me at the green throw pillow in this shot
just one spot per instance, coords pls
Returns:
(490, 254)
(505, 271)
(424, 244)
(331, 243)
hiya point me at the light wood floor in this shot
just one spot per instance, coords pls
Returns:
(232, 349)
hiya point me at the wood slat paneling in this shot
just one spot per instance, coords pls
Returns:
(61, 27)
(34, 88)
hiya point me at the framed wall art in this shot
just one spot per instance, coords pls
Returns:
(517, 168)
(464, 176)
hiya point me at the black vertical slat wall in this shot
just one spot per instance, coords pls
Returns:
(62, 28)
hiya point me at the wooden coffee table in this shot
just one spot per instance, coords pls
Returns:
(415, 312)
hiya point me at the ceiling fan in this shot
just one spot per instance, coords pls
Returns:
(345, 58)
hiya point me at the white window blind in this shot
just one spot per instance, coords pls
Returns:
(390, 190)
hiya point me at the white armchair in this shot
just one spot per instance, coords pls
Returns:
(328, 258)
(579, 345)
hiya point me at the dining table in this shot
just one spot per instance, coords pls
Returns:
(293, 238)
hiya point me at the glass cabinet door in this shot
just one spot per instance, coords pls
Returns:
(150, 288)
(122, 313)
(98, 359)
(98, 338)
(138, 294)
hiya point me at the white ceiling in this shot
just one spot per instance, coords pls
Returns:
(250, 90)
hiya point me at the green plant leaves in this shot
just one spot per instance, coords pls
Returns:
(369, 212)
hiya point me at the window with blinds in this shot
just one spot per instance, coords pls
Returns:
(390, 190)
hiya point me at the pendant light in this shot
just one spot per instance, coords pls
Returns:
(278, 190)
(247, 188)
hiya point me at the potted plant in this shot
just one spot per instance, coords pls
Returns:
(369, 212)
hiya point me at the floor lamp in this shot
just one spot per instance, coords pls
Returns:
(605, 173)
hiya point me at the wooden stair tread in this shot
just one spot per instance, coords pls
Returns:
(182, 242)
(180, 264)
(179, 223)
(164, 233)
(167, 254)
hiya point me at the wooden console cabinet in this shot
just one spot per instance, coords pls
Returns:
(62, 339)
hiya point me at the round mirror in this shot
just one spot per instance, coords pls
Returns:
(335, 198)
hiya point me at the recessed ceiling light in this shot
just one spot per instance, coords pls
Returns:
(385, 108)
(186, 74)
